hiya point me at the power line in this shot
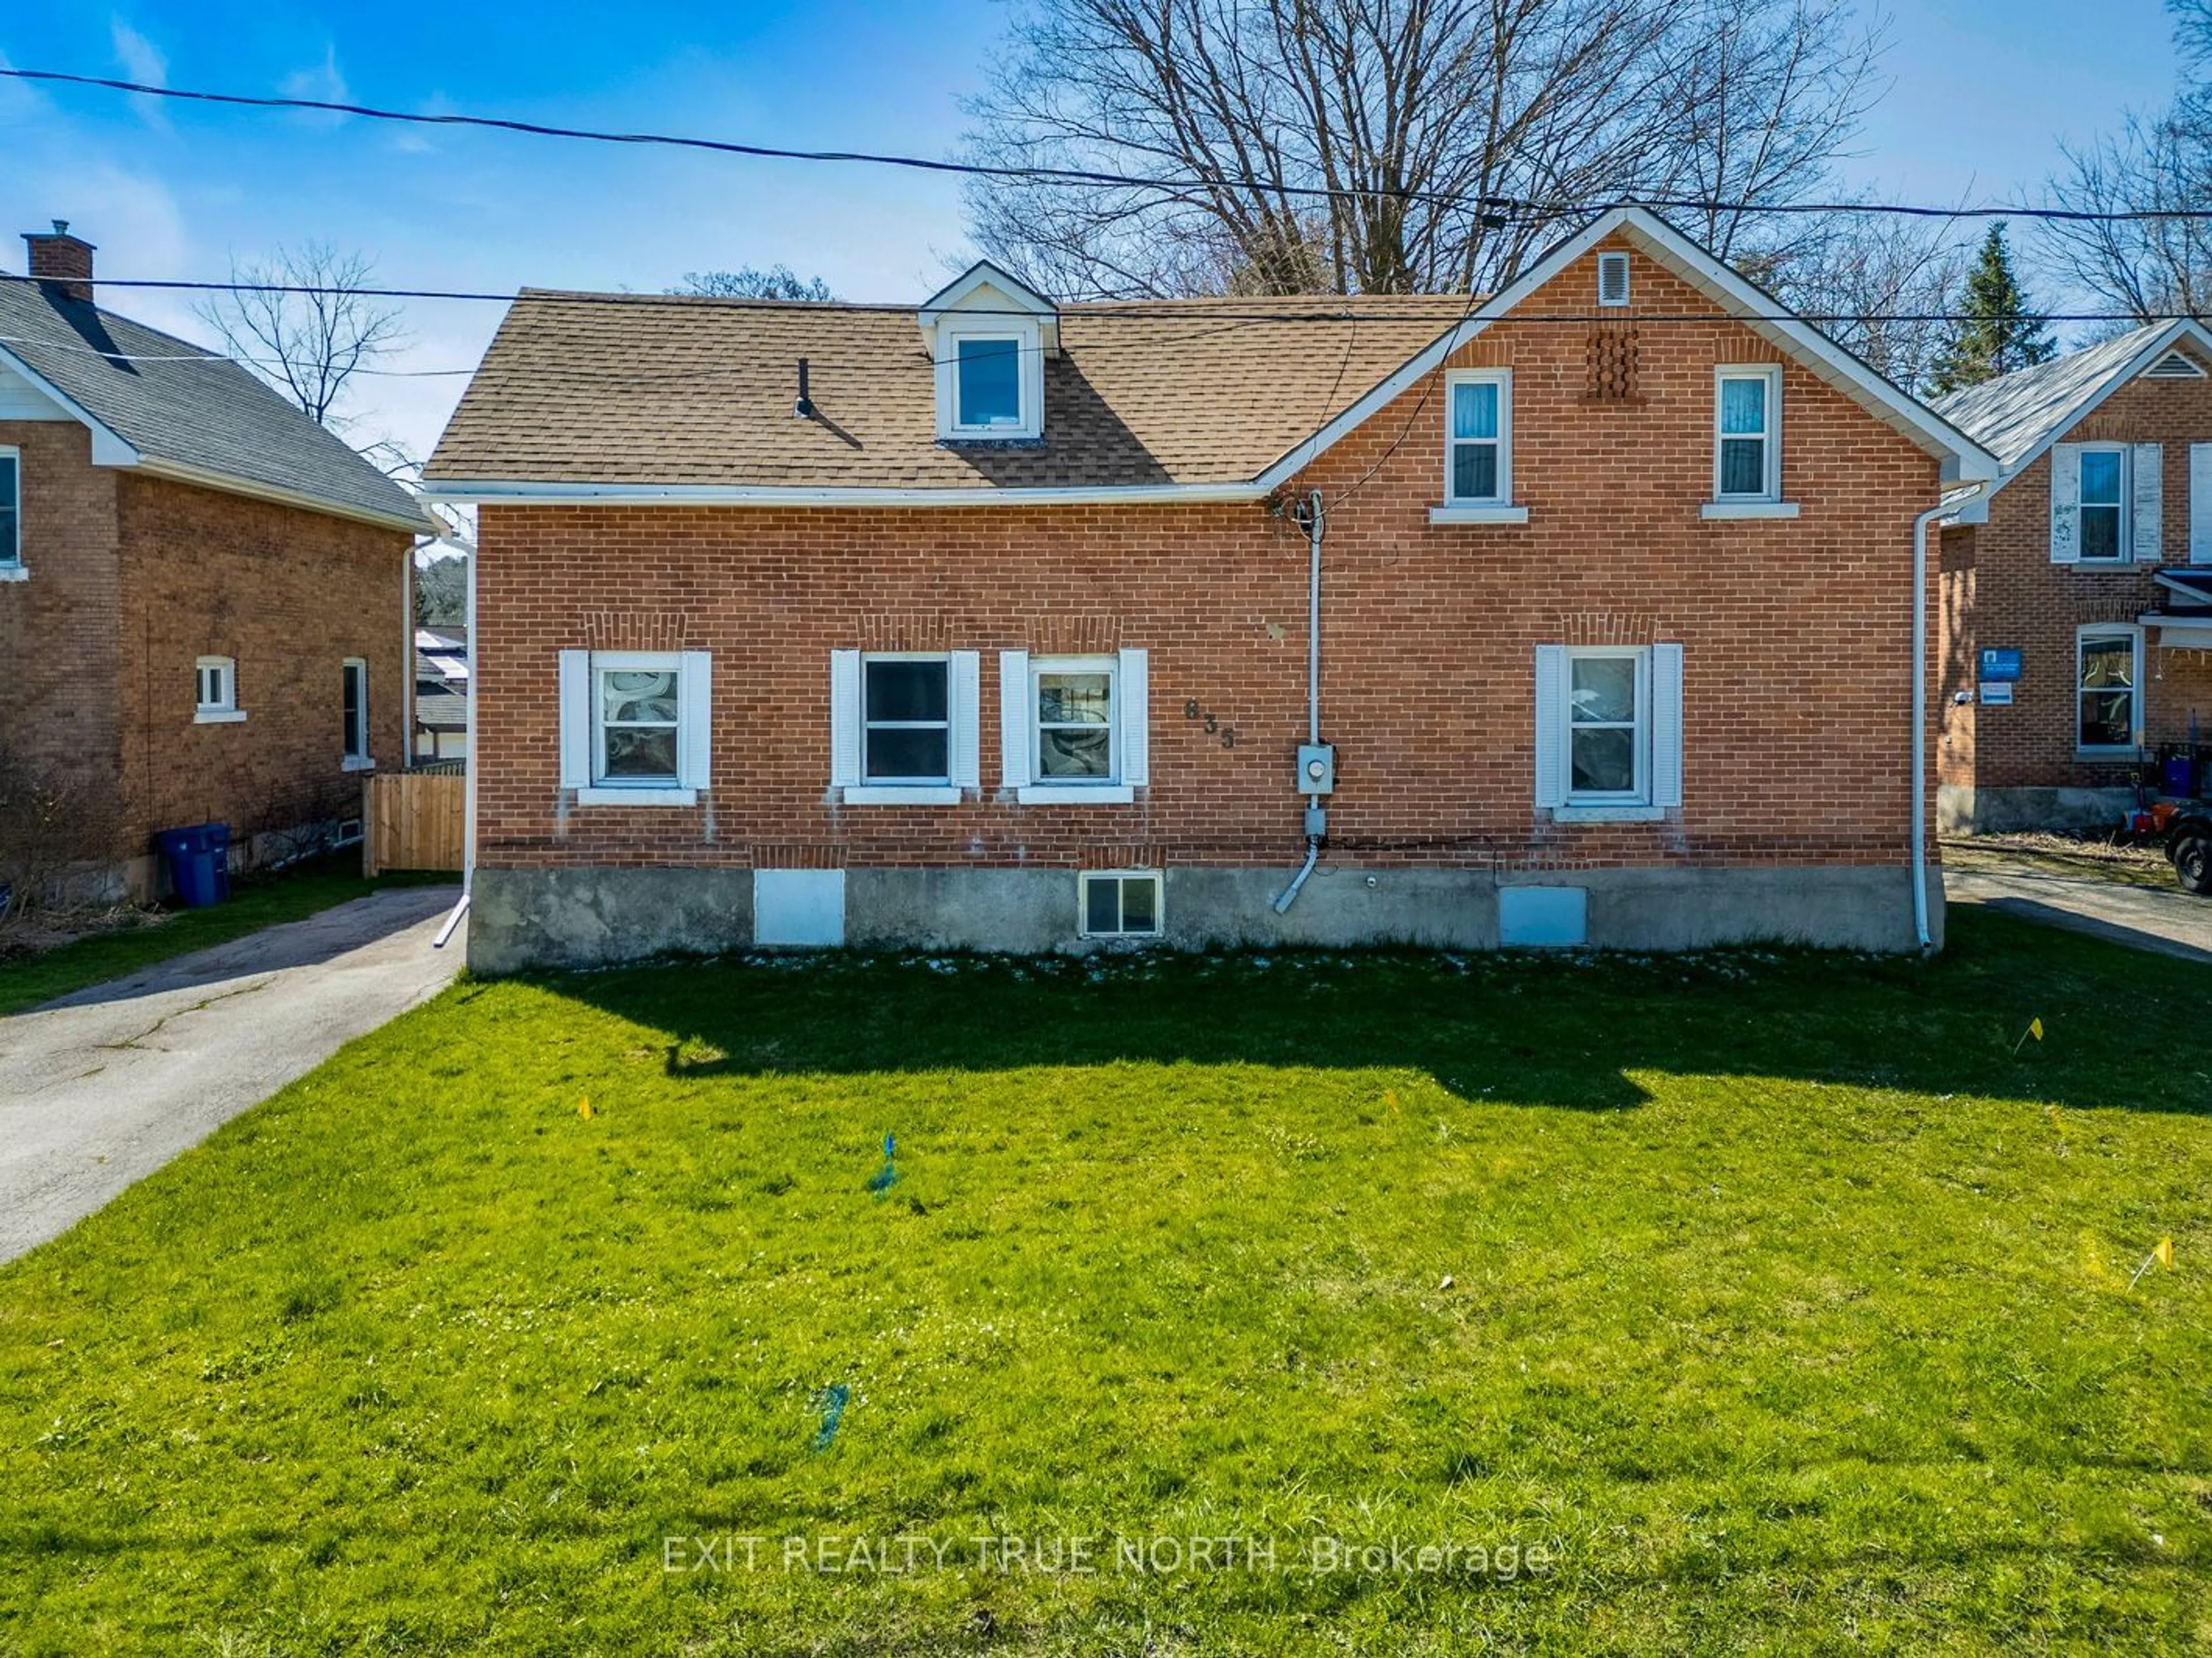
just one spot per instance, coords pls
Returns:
(1513, 207)
(1344, 313)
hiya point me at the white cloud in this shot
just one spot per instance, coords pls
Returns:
(141, 62)
(324, 81)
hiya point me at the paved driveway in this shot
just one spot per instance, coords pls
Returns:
(2162, 919)
(103, 1087)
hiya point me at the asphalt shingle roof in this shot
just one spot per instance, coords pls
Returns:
(196, 408)
(642, 389)
(2011, 415)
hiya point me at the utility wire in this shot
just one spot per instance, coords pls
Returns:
(1522, 207)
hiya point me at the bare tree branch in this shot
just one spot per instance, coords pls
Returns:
(310, 340)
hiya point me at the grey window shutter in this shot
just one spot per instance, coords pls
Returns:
(576, 719)
(1014, 720)
(965, 706)
(1135, 718)
(2065, 503)
(1665, 725)
(1552, 692)
(2200, 503)
(2147, 467)
(696, 708)
(844, 719)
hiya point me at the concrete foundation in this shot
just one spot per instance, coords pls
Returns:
(589, 917)
(522, 919)
(1962, 810)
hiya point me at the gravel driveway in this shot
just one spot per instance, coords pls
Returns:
(102, 1087)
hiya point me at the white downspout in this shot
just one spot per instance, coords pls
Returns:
(474, 761)
(1944, 508)
(1316, 819)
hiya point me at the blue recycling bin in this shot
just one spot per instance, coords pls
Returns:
(199, 863)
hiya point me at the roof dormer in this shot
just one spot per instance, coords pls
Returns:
(989, 333)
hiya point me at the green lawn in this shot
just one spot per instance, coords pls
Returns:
(257, 902)
(1787, 1311)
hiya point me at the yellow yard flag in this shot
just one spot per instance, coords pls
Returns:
(2034, 1028)
(2165, 1254)
(584, 1108)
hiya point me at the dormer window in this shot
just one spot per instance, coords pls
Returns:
(987, 382)
(989, 335)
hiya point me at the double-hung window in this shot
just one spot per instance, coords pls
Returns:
(907, 723)
(1075, 713)
(1478, 468)
(635, 727)
(2108, 677)
(903, 727)
(1747, 434)
(2103, 502)
(1608, 727)
(353, 680)
(11, 514)
(1608, 731)
(214, 681)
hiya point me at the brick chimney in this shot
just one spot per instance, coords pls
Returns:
(62, 260)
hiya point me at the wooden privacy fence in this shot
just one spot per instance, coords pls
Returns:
(413, 820)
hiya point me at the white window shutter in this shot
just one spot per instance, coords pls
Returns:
(576, 719)
(696, 707)
(844, 719)
(2066, 503)
(966, 703)
(1135, 718)
(2200, 503)
(1552, 692)
(1013, 720)
(2147, 465)
(1665, 725)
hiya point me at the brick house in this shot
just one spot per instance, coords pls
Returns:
(202, 592)
(2077, 608)
(986, 623)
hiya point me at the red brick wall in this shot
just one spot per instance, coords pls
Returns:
(1797, 637)
(57, 628)
(290, 594)
(2001, 589)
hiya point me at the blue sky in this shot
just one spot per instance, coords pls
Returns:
(1984, 91)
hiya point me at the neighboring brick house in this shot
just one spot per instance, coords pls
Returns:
(202, 593)
(2077, 594)
(986, 625)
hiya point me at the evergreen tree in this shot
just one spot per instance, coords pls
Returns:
(1996, 332)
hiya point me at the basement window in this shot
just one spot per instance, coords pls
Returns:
(1120, 904)
(216, 682)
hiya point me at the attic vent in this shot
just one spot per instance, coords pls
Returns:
(1612, 364)
(1612, 279)
(2174, 367)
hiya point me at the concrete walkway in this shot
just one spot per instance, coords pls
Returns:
(102, 1087)
(2165, 920)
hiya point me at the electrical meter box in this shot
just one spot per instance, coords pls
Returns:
(1317, 768)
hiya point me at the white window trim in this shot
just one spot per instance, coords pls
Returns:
(1770, 492)
(1028, 336)
(1612, 801)
(226, 711)
(597, 791)
(2134, 635)
(359, 759)
(2124, 545)
(1157, 877)
(11, 555)
(1107, 791)
(1503, 501)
